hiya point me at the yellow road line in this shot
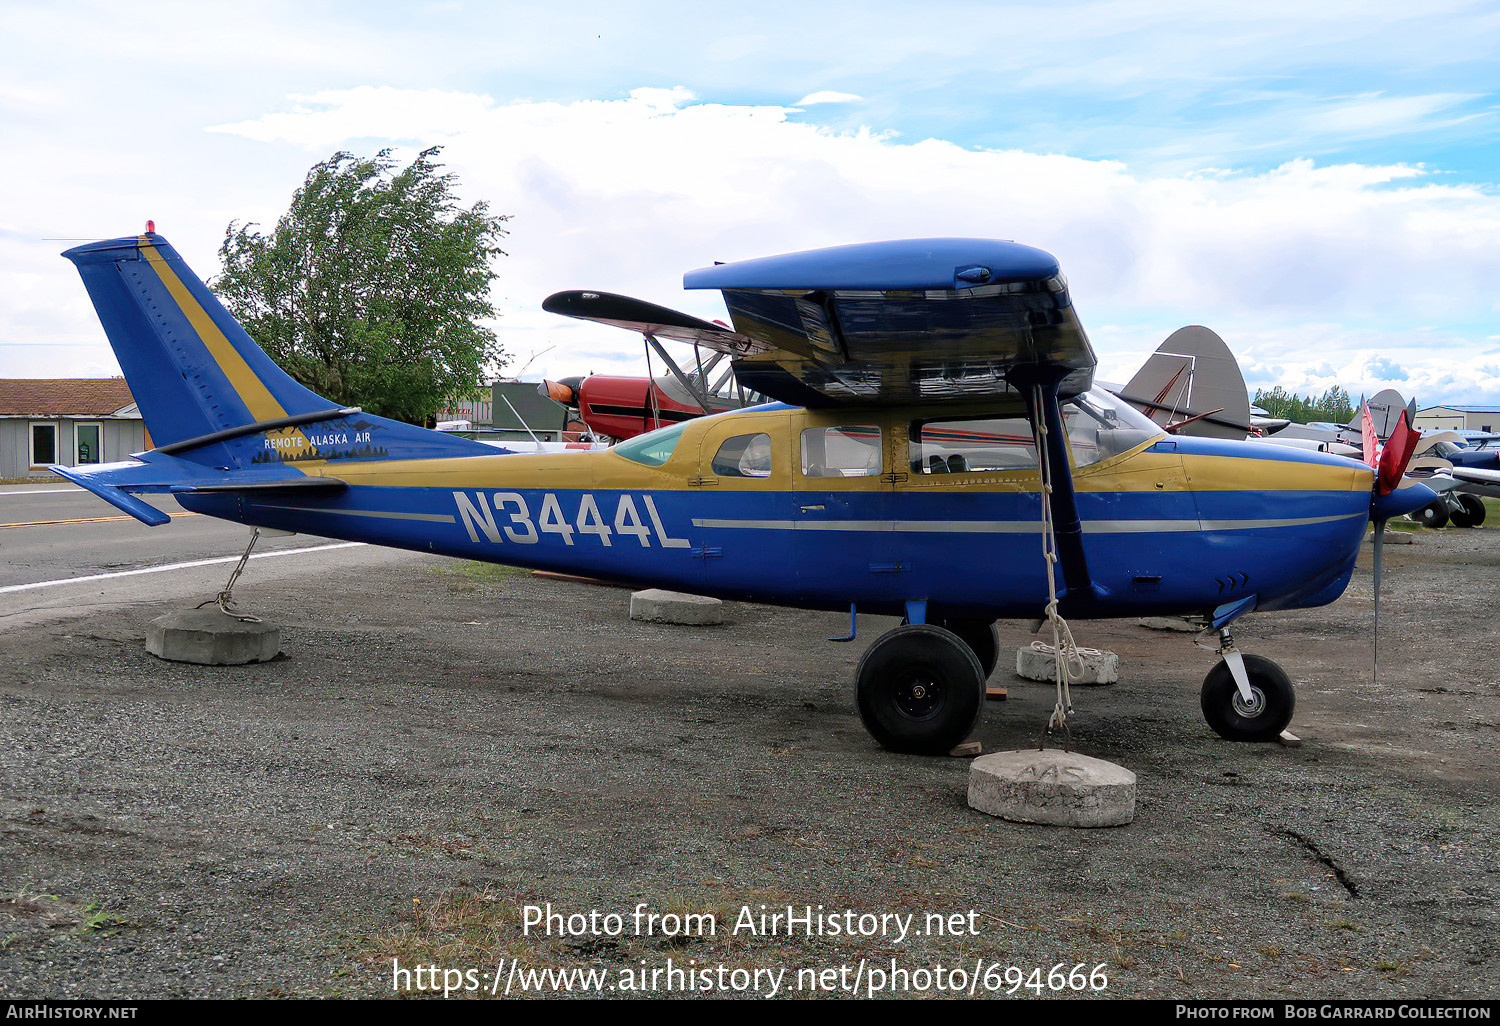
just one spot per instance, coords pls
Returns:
(84, 520)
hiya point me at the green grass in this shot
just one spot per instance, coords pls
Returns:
(480, 572)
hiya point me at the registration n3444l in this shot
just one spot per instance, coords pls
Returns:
(934, 432)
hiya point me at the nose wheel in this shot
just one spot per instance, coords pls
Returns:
(919, 689)
(1260, 715)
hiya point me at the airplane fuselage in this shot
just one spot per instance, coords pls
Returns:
(1170, 525)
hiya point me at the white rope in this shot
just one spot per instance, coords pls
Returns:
(1068, 658)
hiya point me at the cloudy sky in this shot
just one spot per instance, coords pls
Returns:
(1320, 183)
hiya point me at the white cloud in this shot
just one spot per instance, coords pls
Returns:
(827, 96)
(1299, 268)
(626, 194)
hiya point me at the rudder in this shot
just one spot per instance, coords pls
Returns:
(196, 373)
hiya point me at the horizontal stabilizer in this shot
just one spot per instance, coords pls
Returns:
(161, 474)
(112, 494)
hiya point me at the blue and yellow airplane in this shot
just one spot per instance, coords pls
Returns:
(925, 389)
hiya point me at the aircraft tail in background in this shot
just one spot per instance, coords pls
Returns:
(1193, 377)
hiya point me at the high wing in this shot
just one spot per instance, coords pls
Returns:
(921, 320)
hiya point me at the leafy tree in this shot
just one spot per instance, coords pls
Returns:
(1333, 405)
(372, 287)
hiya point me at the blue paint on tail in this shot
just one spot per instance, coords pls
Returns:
(195, 372)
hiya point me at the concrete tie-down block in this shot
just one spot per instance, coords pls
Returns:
(657, 606)
(1053, 788)
(1097, 666)
(211, 637)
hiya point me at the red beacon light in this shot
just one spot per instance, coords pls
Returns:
(150, 227)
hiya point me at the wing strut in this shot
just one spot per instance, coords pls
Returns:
(1040, 391)
(1060, 522)
(684, 380)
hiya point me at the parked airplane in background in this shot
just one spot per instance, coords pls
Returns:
(1192, 385)
(936, 452)
(622, 406)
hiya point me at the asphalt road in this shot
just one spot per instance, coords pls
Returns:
(52, 532)
(63, 549)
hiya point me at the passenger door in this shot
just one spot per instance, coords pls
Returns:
(740, 529)
(841, 509)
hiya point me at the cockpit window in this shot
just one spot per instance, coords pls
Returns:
(1101, 426)
(653, 448)
(972, 446)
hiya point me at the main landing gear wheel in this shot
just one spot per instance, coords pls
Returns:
(1264, 717)
(982, 637)
(1432, 515)
(983, 640)
(1470, 512)
(919, 689)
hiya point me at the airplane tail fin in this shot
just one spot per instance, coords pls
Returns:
(1193, 377)
(207, 392)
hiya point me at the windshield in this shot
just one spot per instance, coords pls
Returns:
(653, 448)
(1101, 426)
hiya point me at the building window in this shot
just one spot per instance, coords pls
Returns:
(43, 444)
(89, 441)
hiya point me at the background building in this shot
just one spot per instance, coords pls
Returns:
(72, 421)
(1459, 418)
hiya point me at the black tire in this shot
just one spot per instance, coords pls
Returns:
(1434, 515)
(983, 640)
(1470, 512)
(1227, 713)
(919, 690)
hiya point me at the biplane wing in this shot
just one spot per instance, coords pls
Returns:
(648, 319)
(909, 321)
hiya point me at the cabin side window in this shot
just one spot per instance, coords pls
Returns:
(850, 450)
(744, 456)
(993, 446)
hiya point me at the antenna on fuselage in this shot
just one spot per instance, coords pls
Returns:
(525, 425)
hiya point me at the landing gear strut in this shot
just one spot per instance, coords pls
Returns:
(1470, 511)
(1246, 697)
(919, 689)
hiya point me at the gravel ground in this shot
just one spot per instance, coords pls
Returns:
(444, 744)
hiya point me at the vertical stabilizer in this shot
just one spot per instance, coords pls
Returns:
(200, 379)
